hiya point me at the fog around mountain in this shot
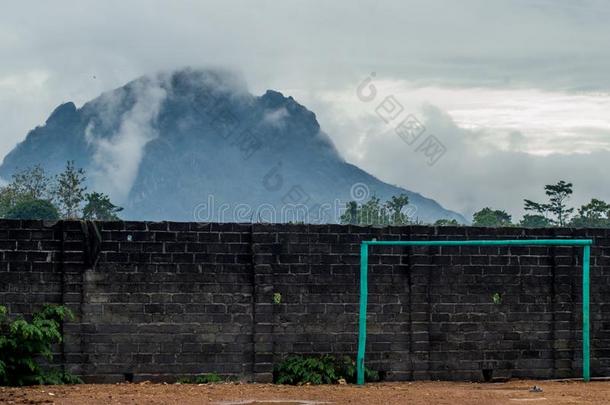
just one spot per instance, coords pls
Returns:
(197, 145)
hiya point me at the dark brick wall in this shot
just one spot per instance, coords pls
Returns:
(170, 299)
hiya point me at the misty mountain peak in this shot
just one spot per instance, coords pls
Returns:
(64, 112)
(189, 79)
(165, 145)
(280, 105)
(274, 98)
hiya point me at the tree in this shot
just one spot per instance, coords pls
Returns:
(558, 194)
(29, 208)
(69, 191)
(374, 213)
(8, 199)
(535, 221)
(99, 207)
(351, 214)
(491, 218)
(595, 214)
(32, 182)
(446, 222)
(371, 213)
(27, 185)
(394, 207)
(32, 195)
(540, 209)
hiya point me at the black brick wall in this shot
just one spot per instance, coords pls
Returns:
(171, 299)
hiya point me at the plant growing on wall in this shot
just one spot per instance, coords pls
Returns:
(277, 298)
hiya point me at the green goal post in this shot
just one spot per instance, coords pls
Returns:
(585, 243)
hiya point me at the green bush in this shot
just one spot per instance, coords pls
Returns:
(350, 372)
(23, 343)
(201, 379)
(33, 209)
(326, 369)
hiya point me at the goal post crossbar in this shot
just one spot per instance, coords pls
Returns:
(584, 243)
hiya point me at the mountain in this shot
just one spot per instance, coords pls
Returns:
(196, 145)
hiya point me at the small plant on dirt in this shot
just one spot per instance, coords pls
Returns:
(326, 369)
(201, 379)
(350, 372)
(299, 370)
(496, 298)
(23, 343)
(277, 298)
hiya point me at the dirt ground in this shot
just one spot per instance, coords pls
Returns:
(412, 393)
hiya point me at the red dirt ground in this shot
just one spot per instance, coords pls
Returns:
(413, 393)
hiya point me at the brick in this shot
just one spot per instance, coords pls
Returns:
(180, 290)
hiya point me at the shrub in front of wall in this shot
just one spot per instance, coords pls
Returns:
(23, 344)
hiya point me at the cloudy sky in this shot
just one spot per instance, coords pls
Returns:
(517, 92)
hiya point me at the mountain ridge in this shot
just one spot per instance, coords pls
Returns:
(162, 145)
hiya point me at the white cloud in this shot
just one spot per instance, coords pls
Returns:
(548, 122)
(471, 174)
(518, 79)
(118, 155)
(276, 118)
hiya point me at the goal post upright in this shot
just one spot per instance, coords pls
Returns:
(586, 338)
(364, 263)
(585, 243)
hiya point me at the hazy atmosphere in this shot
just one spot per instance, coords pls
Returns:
(517, 92)
(305, 202)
